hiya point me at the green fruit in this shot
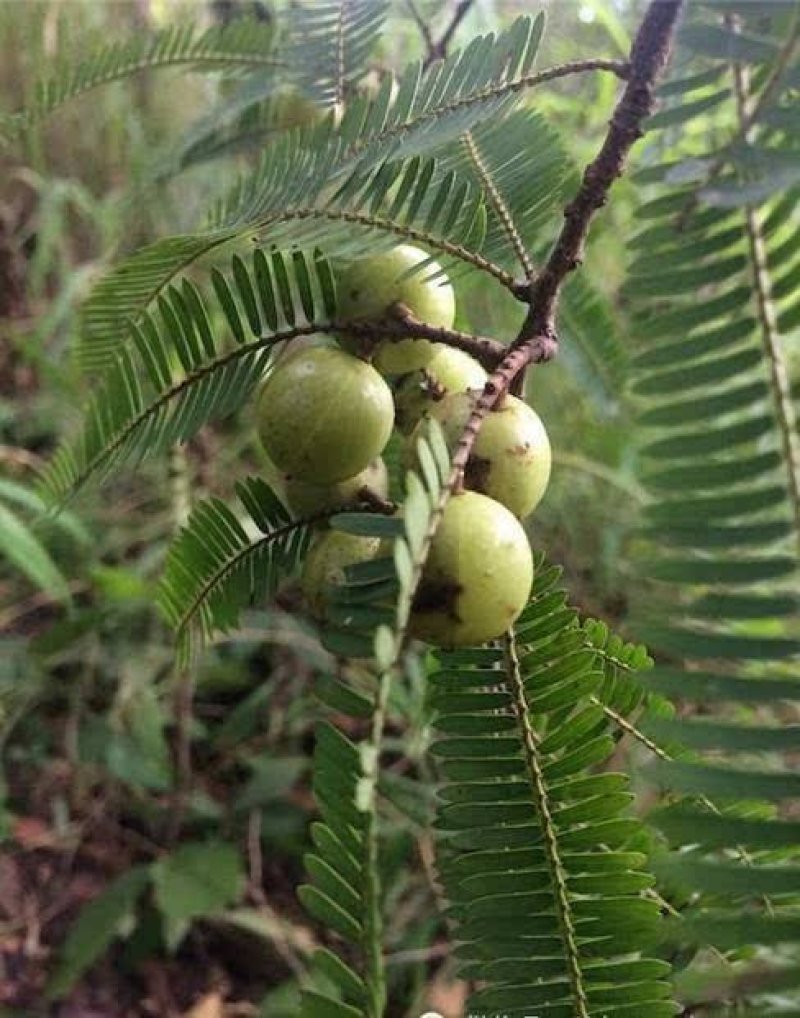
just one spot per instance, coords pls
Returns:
(367, 289)
(477, 577)
(449, 371)
(511, 458)
(326, 562)
(301, 343)
(324, 415)
(305, 499)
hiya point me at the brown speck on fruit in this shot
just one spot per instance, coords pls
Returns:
(476, 473)
(437, 597)
(520, 450)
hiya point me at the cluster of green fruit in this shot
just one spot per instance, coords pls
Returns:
(326, 414)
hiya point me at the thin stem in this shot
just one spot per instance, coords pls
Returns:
(779, 375)
(424, 29)
(181, 484)
(183, 712)
(340, 68)
(438, 51)
(536, 350)
(537, 339)
(410, 233)
(488, 352)
(649, 55)
(373, 925)
(774, 78)
(635, 733)
(499, 205)
(541, 802)
(183, 695)
(630, 729)
(618, 67)
(293, 945)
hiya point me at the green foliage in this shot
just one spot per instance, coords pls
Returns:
(306, 170)
(369, 616)
(539, 859)
(545, 867)
(522, 160)
(220, 564)
(624, 691)
(240, 45)
(96, 926)
(24, 548)
(370, 612)
(338, 896)
(329, 45)
(184, 368)
(719, 458)
(197, 879)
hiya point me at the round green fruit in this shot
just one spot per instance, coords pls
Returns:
(305, 498)
(478, 575)
(327, 559)
(449, 371)
(511, 458)
(368, 288)
(301, 343)
(324, 415)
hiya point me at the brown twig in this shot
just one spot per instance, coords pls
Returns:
(537, 340)
(403, 325)
(422, 25)
(438, 50)
(291, 945)
(500, 382)
(649, 56)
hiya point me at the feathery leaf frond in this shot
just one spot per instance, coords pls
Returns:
(547, 890)
(307, 169)
(452, 96)
(522, 165)
(127, 290)
(368, 618)
(721, 458)
(409, 200)
(339, 894)
(220, 563)
(329, 43)
(183, 367)
(242, 44)
(291, 202)
(370, 611)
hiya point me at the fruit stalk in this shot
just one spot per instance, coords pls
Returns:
(402, 324)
